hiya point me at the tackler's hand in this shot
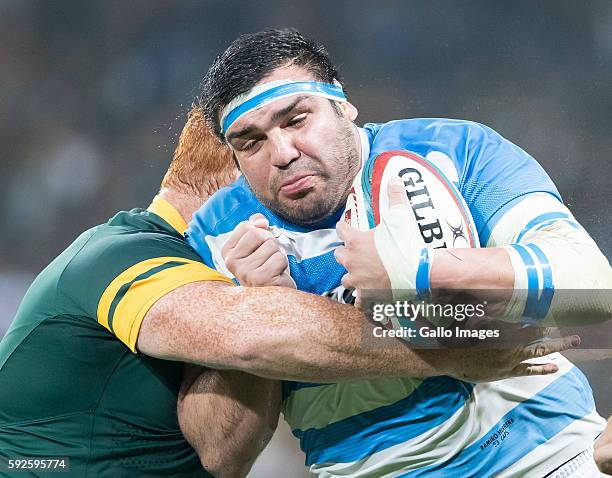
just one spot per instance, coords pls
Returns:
(603, 450)
(255, 256)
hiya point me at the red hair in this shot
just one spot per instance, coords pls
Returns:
(201, 163)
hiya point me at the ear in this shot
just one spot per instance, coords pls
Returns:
(348, 110)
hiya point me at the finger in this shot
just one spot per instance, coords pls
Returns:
(397, 193)
(603, 458)
(259, 220)
(235, 236)
(252, 240)
(606, 437)
(347, 282)
(275, 265)
(341, 255)
(542, 348)
(528, 369)
(260, 256)
(285, 280)
(357, 299)
(344, 231)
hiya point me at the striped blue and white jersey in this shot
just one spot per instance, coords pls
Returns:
(440, 426)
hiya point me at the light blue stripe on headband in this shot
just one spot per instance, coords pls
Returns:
(309, 87)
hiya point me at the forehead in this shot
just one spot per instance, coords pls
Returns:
(270, 113)
(289, 72)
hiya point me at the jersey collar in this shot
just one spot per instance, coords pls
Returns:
(365, 145)
(168, 213)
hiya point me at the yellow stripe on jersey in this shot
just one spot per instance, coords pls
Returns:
(309, 407)
(131, 294)
(168, 213)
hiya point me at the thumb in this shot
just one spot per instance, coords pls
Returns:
(396, 193)
(259, 220)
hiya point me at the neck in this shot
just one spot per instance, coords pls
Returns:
(185, 204)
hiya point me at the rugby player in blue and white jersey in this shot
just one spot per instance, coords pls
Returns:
(276, 99)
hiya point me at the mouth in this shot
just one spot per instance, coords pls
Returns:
(297, 184)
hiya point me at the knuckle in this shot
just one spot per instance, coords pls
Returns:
(256, 278)
(540, 350)
(231, 263)
(271, 248)
(282, 259)
(347, 281)
(340, 255)
(275, 262)
(273, 242)
(241, 229)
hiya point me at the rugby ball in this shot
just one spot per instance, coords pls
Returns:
(443, 218)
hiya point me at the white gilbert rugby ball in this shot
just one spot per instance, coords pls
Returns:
(440, 212)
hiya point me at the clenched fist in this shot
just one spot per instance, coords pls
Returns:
(255, 257)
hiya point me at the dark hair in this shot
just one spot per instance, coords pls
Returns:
(253, 56)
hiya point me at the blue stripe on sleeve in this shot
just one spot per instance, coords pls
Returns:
(574, 224)
(533, 286)
(422, 276)
(548, 288)
(539, 219)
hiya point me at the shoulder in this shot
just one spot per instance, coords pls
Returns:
(124, 267)
(455, 138)
(128, 238)
(425, 126)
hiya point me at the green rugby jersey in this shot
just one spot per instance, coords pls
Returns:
(71, 384)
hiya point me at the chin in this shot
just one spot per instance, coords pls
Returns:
(311, 216)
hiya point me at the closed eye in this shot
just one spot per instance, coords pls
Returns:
(297, 120)
(250, 144)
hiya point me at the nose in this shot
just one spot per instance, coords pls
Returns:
(284, 150)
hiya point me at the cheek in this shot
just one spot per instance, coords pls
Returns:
(316, 140)
(257, 175)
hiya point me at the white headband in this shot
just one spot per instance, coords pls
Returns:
(265, 93)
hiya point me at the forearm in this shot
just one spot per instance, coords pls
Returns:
(282, 333)
(551, 280)
(277, 333)
(486, 268)
(228, 417)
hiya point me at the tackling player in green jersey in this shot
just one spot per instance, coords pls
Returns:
(68, 387)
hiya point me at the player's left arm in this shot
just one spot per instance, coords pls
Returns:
(534, 244)
(228, 417)
(541, 258)
(553, 270)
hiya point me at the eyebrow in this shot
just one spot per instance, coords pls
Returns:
(241, 132)
(275, 117)
(287, 109)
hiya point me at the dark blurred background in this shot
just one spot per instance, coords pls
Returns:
(93, 95)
